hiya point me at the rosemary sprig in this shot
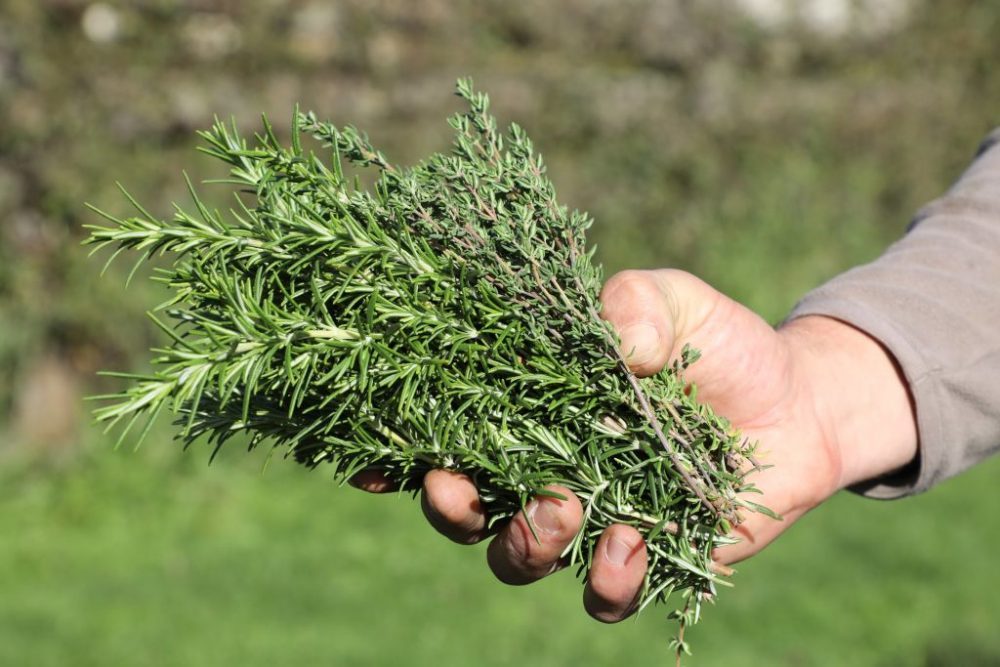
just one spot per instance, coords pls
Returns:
(445, 317)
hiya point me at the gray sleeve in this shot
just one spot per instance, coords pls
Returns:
(933, 300)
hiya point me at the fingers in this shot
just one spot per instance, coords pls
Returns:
(372, 481)
(451, 504)
(616, 574)
(517, 558)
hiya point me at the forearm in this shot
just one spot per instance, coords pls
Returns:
(858, 394)
(933, 301)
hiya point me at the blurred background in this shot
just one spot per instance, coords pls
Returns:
(764, 144)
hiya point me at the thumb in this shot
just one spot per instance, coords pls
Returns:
(653, 313)
(657, 313)
(643, 345)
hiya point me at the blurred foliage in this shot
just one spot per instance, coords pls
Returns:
(763, 144)
(701, 136)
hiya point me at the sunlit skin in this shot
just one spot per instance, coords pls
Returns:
(826, 403)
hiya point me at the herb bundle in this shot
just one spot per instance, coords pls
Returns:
(447, 317)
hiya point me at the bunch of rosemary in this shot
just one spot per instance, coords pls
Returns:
(445, 317)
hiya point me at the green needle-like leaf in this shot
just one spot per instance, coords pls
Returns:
(447, 317)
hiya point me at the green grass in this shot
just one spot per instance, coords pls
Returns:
(154, 558)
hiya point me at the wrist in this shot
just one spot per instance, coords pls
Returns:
(858, 396)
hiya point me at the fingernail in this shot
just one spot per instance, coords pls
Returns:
(617, 551)
(640, 343)
(545, 515)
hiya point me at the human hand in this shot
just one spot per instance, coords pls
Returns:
(825, 402)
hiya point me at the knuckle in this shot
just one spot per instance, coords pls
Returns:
(517, 559)
(628, 285)
(680, 276)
